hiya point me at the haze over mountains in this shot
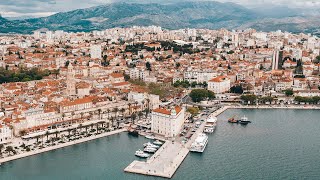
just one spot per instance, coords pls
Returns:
(212, 15)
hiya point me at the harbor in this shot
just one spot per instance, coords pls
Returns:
(230, 145)
(167, 159)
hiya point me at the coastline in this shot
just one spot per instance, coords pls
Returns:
(216, 113)
(59, 146)
(224, 108)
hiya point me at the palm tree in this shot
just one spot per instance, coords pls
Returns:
(80, 127)
(136, 103)
(140, 114)
(81, 115)
(122, 110)
(47, 134)
(9, 149)
(143, 103)
(129, 105)
(148, 103)
(57, 132)
(115, 110)
(108, 110)
(69, 131)
(112, 120)
(97, 126)
(1, 147)
(99, 113)
(133, 117)
(147, 111)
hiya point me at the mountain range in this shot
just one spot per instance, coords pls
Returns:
(211, 15)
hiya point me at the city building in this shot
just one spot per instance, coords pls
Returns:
(167, 121)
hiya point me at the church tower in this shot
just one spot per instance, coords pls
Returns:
(71, 83)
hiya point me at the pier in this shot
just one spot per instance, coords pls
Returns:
(169, 157)
(163, 163)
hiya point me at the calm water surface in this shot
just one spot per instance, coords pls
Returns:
(278, 144)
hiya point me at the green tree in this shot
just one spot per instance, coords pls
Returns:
(288, 92)
(148, 66)
(250, 99)
(236, 89)
(194, 84)
(193, 110)
(198, 95)
(66, 63)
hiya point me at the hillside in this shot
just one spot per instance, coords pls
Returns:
(212, 15)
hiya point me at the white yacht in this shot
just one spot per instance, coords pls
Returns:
(141, 154)
(200, 143)
(157, 142)
(150, 149)
(149, 136)
(149, 144)
(210, 125)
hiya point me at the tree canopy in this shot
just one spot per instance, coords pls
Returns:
(22, 75)
(251, 98)
(288, 92)
(236, 89)
(198, 95)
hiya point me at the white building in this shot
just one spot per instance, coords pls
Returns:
(136, 73)
(220, 84)
(95, 51)
(5, 134)
(199, 76)
(167, 121)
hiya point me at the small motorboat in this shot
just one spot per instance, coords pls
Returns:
(149, 144)
(233, 120)
(149, 137)
(244, 120)
(157, 142)
(141, 154)
(150, 149)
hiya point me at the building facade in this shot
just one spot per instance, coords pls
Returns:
(167, 121)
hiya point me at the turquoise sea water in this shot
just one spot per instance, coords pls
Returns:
(278, 144)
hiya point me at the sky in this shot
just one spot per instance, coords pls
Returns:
(40, 8)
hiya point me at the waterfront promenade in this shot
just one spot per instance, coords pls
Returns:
(46, 149)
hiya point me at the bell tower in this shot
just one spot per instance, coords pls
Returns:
(71, 83)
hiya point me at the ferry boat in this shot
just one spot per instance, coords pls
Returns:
(149, 144)
(141, 154)
(200, 143)
(244, 120)
(150, 149)
(157, 142)
(210, 125)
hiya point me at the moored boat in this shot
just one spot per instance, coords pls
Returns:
(200, 143)
(141, 154)
(149, 144)
(149, 136)
(233, 120)
(244, 120)
(150, 149)
(210, 125)
(157, 142)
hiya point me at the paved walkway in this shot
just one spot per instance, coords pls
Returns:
(163, 163)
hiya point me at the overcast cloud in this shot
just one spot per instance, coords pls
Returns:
(37, 8)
